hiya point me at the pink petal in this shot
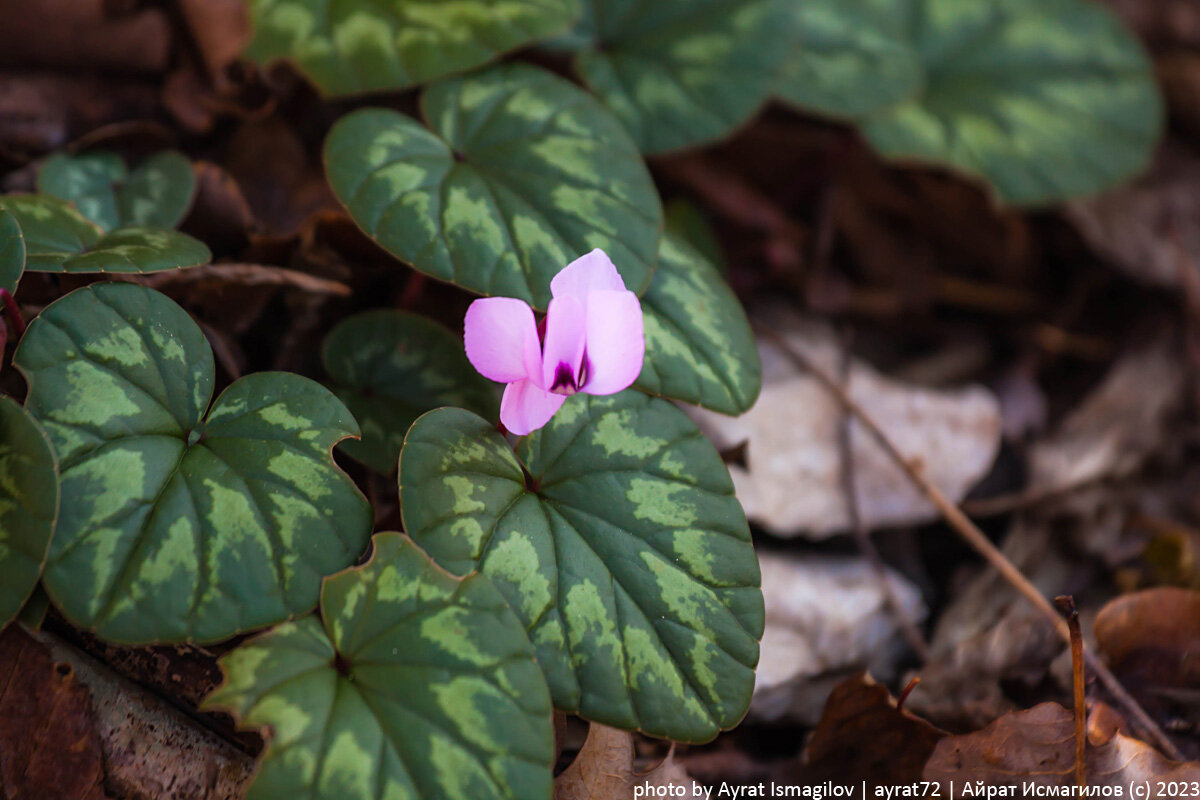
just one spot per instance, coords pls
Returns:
(525, 407)
(587, 274)
(616, 341)
(502, 340)
(562, 350)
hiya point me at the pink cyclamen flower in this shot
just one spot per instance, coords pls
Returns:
(594, 342)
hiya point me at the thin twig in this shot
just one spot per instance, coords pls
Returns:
(1066, 604)
(861, 535)
(1026, 498)
(976, 538)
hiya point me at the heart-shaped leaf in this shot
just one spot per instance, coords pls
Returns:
(851, 58)
(389, 368)
(176, 525)
(87, 182)
(521, 174)
(624, 552)
(699, 347)
(60, 239)
(349, 48)
(158, 193)
(28, 504)
(129, 249)
(680, 73)
(1045, 99)
(420, 686)
(12, 251)
(50, 225)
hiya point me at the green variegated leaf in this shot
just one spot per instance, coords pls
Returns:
(12, 251)
(87, 182)
(680, 73)
(390, 367)
(623, 551)
(60, 239)
(28, 503)
(178, 525)
(1045, 99)
(420, 686)
(50, 225)
(851, 57)
(158, 193)
(129, 249)
(349, 48)
(699, 346)
(518, 174)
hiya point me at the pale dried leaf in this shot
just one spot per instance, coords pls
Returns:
(1118, 426)
(151, 750)
(603, 770)
(670, 776)
(1150, 228)
(826, 617)
(792, 483)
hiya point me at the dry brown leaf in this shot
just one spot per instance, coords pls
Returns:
(792, 483)
(603, 770)
(1038, 747)
(1126, 419)
(863, 734)
(1163, 621)
(48, 742)
(670, 776)
(827, 617)
(221, 30)
(247, 275)
(907, 229)
(282, 184)
(1152, 642)
(187, 95)
(1179, 76)
(989, 636)
(152, 751)
(220, 215)
(79, 33)
(42, 111)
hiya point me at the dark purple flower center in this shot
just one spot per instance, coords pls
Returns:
(566, 381)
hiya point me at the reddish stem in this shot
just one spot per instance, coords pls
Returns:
(413, 291)
(13, 312)
(908, 689)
